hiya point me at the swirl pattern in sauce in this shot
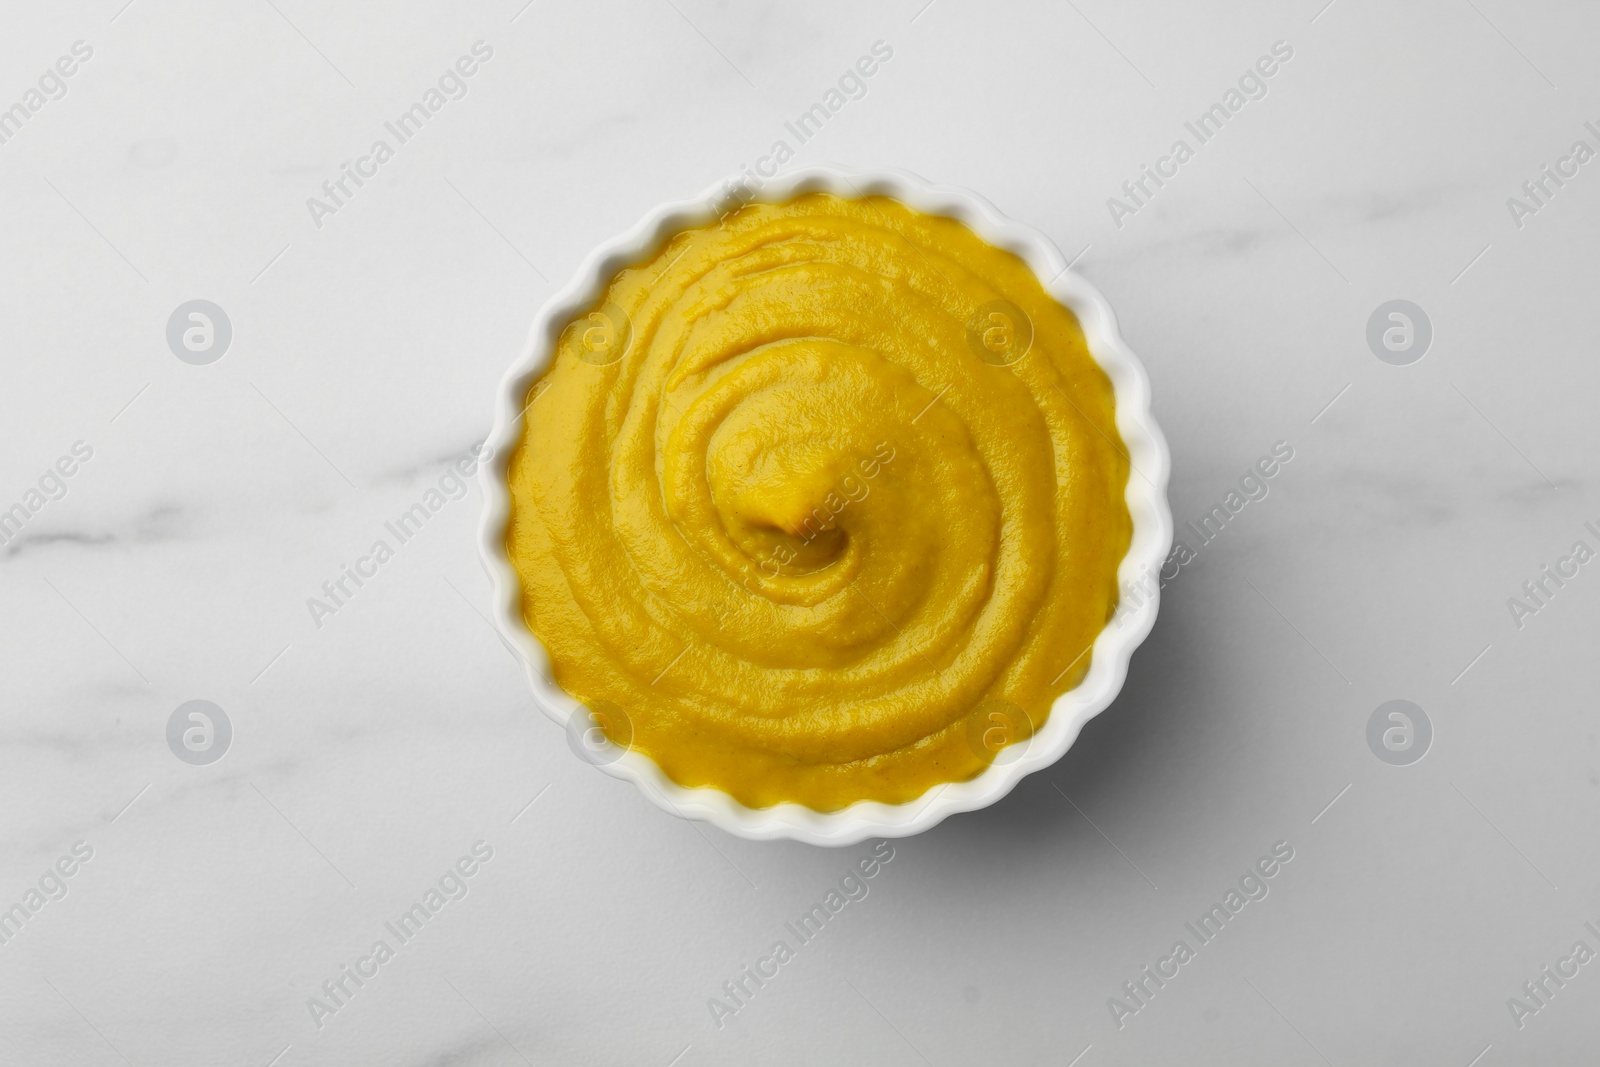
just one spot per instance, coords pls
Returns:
(812, 493)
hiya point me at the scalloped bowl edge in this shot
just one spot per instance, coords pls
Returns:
(1145, 496)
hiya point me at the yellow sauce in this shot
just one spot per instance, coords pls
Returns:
(821, 503)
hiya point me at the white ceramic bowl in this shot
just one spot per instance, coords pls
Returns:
(1146, 499)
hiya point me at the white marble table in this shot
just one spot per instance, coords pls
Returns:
(369, 754)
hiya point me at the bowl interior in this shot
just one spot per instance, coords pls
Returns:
(1137, 575)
